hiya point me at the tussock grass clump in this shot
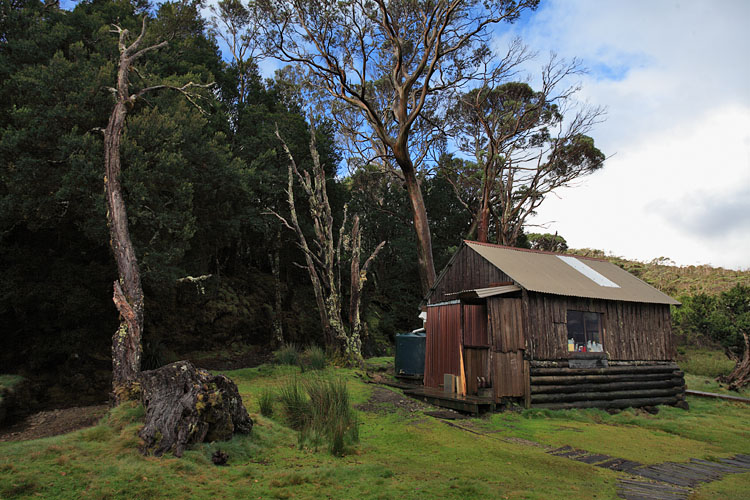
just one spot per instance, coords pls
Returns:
(265, 402)
(314, 358)
(320, 409)
(288, 355)
(332, 417)
(294, 404)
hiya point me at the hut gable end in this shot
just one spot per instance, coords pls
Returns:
(467, 270)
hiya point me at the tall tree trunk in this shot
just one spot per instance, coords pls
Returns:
(425, 260)
(128, 293)
(483, 227)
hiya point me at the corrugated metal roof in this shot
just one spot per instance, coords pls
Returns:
(481, 293)
(548, 273)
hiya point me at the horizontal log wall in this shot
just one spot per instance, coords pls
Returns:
(613, 387)
(631, 330)
(468, 270)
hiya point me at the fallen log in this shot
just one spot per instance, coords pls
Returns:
(609, 386)
(616, 403)
(612, 370)
(595, 396)
(593, 379)
(186, 405)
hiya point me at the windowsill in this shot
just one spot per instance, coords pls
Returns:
(587, 355)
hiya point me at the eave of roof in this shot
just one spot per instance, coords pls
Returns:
(545, 272)
(483, 293)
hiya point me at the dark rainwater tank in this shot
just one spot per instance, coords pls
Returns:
(410, 354)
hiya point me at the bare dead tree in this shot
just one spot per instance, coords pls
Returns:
(525, 143)
(390, 62)
(323, 261)
(128, 292)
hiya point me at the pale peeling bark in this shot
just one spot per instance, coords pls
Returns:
(324, 263)
(358, 279)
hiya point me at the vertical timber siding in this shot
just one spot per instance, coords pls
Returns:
(507, 332)
(443, 343)
(475, 325)
(632, 330)
(468, 270)
(476, 346)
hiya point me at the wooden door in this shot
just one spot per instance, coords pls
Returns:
(508, 343)
(476, 347)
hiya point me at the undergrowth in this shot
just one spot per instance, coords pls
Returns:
(319, 408)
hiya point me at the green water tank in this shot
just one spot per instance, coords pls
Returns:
(410, 354)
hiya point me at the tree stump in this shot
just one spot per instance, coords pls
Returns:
(187, 405)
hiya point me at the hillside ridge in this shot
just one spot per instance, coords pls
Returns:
(676, 281)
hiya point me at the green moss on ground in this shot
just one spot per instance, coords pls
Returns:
(401, 455)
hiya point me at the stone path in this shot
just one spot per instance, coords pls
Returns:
(665, 481)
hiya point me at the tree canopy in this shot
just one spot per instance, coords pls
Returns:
(200, 175)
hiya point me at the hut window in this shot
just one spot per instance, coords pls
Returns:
(584, 331)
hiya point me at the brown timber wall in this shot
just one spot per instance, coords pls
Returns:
(468, 270)
(443, 343)
(631, 330)
(508, 344)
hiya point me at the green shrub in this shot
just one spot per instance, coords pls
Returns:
(265, 402)
(314, 358)
(287, 355)
(706, 363)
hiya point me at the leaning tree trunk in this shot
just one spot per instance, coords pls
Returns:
(425, 260)
(128, 293)
(187, 405)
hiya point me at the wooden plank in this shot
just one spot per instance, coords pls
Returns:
(605, 371)
(717, 396)
(594, 379)
(526, 385)
(588, 396)
(613, 403)
(608, 386)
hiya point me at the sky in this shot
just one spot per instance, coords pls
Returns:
(675, 78)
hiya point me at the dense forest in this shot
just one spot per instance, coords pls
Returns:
(380, 144)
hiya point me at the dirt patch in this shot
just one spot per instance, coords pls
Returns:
(53, 422)
(384, 401)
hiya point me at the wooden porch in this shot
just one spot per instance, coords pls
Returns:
(469, 404)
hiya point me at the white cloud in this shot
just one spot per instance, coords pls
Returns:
(674, 78)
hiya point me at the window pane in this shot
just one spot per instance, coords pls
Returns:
(576, 330)
(591, 321)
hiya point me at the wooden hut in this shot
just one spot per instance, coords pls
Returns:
(554, 331)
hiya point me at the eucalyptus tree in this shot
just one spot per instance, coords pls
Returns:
(525, 144)
(390, 63)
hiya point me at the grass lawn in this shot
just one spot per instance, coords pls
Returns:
(401, 454)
